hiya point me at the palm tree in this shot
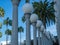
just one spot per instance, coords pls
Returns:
(20, 30)
(1, 15)
(7, 32)
(7, 22)
(1, 12)
(0, 34)
(45, 11)
(10, 33)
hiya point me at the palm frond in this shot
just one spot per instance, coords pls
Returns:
(23, 19)
(2, 12)
(45, 11)
(20, 29)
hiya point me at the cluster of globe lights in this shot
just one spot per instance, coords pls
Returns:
(28, 8)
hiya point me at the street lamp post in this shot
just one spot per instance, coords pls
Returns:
(43, 33)
(33, 20)
(42, 30)
(14, 39)
(28, 8)
(38, 25)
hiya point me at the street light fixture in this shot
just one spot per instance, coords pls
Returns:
(28, 9)
(42, 34)
(38, 25)
(33, 20)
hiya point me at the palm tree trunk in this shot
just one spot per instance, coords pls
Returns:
(6, 35)
(6, 39)
(57, 13)
(34, 34)
(20, 38)
(44, 22)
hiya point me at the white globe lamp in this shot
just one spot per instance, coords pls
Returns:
(42, 28)
(39, 23)
(28, 8)
(33, 18)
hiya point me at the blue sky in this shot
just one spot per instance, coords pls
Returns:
(7, 5)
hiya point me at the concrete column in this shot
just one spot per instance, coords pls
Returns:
(57, 13)
(39, 41)
(34, 34)
(28, 35)
(14, 39)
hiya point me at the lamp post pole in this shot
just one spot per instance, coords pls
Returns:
(14, 39)
(33, 20)
(28, 37)
(38, 25)
(34, 33)
(28, 8)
